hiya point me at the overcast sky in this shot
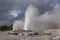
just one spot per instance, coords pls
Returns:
(11, 10)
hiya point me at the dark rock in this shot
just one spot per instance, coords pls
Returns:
(36, 33)
(13, 33)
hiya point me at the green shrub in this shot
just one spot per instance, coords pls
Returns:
(6, 28)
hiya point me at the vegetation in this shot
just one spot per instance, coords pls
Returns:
(6, 28)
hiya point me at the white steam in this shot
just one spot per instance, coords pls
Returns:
(36, 23)
(30, 17)
(18, 25)
(39, 23)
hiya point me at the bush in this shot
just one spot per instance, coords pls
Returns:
(5, 28)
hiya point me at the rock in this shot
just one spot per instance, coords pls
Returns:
(13, 33)
(35, 33)
(28, 33)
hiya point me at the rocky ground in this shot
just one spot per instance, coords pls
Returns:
(5, 36)
(51, 34)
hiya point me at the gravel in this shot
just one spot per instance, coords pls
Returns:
(5, 36)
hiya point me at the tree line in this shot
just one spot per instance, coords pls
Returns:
(6, 27)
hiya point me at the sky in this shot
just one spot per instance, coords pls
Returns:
(11, 10)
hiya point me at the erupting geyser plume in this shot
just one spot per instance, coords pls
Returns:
(50, 19)
(32, 21)
(30, 16)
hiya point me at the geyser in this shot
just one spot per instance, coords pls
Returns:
(36, 23)
(30, 16)
(30, 13)
(31, 19)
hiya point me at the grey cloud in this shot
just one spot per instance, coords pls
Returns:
(4, 22)
(43, 5)
(8, 5)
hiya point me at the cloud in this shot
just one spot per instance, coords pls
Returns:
(9, 5)
(14, 13)
(4, 22)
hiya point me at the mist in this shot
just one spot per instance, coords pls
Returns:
(50, 19)
(18, 25)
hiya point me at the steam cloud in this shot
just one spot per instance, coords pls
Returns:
(50, 19)
(40, 15)
(18, 25)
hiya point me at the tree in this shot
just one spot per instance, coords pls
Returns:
(6, 28)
